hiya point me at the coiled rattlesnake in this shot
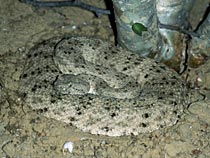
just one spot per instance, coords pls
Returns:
(100, 88)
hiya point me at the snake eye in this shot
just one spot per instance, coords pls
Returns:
(138, 28)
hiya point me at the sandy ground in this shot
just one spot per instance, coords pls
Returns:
(25, 134)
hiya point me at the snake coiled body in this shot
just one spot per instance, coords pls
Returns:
(101, 88)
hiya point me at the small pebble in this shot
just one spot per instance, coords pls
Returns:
(68, 146)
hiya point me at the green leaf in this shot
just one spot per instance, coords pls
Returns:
(138, 28)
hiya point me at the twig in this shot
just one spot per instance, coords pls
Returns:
(69, 3)
(3, 146)
(176, 28)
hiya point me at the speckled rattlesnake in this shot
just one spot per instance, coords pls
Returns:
(100, 88)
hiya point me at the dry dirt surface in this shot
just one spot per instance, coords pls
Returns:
(25, 133)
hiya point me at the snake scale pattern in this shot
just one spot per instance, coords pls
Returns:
(101, 88)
